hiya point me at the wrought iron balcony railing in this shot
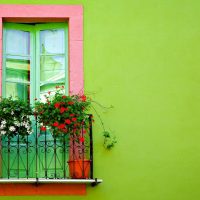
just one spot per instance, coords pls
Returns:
(40, 157)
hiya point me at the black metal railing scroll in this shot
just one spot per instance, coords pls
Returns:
(42, 156)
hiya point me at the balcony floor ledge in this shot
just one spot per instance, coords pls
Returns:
(42, 180)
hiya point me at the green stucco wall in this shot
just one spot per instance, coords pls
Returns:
(142, 56)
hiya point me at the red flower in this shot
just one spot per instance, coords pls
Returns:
(83, 98)
(43, 128)
(64, 96)
(57, 86)
(55, 124)
(65, 130)
(48, 103)
(74, 119)
(71, 115)
(57, 105)
(70, 103)
(49, 92)
(81, 139)
(61, 126)
(67, 121)
(84, 131)
(62, 110)
(66, 109)
(74, 129)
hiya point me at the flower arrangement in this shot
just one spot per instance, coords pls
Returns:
(67, 115)
(15, 117)
(62, 114)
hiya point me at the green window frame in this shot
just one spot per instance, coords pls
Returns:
(35, 54)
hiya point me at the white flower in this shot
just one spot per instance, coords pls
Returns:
(3, 122)
(4, 109)
(29, 132)
(12, 128)
(2, 126)
(27, 126)
(12, 113)
(3, 132)
(24, 123)
(16, 123)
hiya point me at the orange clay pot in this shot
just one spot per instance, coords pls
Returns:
(79, 169)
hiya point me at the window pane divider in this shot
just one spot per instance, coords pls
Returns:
(8, 54)
(52, 82)
(41, 84)
(49, 70)
(53, 54)
(24, 82)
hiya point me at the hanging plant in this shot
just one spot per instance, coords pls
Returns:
(15, 117)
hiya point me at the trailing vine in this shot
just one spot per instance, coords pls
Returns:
(109, 139)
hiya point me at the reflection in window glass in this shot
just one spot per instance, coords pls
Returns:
(19, 90)
(17, 64)
(18, 70)
(52, 41)
(17, 42)
(52, 68)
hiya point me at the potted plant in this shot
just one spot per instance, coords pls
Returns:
(15, 117)
(64, 114)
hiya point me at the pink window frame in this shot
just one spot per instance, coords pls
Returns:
(52, 13)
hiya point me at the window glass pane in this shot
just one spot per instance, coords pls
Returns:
(17, 70)
(52, 41)
(52, 68)
(50, 87)
(17, 42)
(20, 90)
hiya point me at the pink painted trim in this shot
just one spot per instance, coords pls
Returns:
(40, 11)
(1, 39)
(74, 14)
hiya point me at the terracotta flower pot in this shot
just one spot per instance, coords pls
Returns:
(79, 169)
